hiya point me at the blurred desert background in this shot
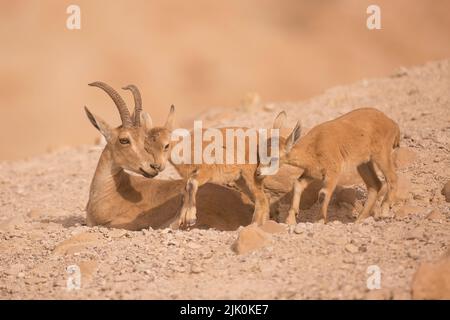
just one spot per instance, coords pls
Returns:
(196, 55)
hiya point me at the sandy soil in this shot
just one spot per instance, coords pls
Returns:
(42, 228)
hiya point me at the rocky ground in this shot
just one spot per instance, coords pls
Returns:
(42, 229)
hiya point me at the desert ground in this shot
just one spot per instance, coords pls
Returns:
(43, 231)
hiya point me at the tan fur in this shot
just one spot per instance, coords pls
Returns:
(242, 174)
(360, 138)
(121, 200)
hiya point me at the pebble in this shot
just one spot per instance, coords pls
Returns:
(299, 229)
(351, 248)
(195, 268)
(193, 245)
(415, 234)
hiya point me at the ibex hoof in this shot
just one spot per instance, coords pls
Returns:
(191, 222)
(290, 219)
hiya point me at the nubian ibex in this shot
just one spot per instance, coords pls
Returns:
(218, 173)
(133, 201)
(361, 138)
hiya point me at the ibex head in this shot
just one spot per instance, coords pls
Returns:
(285, 145)
(131, 143)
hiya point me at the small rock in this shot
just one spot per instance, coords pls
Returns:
(415, 234)
(21, 275)
(368, 221)
(435, 215)
(299, 229)
(117, 233)
(362, 248)
(413, 255)
(196, 268)
(273, 227)
(193, 245)
(249, 239)
(351, 248)
(432, 280)
(77, 243)
(406, 211)
(446, 191)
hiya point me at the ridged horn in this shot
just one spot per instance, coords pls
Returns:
(120, 103)
(137, 103)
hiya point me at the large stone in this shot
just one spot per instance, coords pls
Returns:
(77, 243)
(404, 157)
(435, 215)
(432, 280)
(273, 227)
(446, 191)
(250, 238)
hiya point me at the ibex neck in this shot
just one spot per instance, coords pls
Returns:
(104, 178)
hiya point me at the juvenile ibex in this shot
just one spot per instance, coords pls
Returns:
(221, 174)
(118, 199)
(360, 138)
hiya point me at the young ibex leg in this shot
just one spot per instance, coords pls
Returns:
(300, 185)
(325, 194)
(188, 213)
(373, 184)
(386, 164)
(261, 213)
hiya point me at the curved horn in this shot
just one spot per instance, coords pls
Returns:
(121, 106)
(137, 103)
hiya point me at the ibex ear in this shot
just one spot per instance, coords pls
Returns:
(100, 124)
(169, 121)
(293, 137)
(279, 120)
(146, 121)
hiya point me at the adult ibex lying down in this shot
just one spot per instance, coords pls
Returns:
(360, 138)
(118, 199)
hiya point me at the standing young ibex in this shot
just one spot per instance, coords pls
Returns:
(360, 138)
(222, 174)
(118, 199)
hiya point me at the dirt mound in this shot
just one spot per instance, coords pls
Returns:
(42, 231)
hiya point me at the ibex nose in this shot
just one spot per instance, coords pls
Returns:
(155, 166)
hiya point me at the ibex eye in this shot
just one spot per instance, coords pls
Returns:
(166, 147)
(124, 141)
